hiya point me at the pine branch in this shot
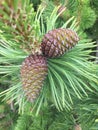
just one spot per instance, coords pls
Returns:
(21, 26)
(23, 122)
(70, 76)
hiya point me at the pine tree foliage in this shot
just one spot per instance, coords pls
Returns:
(68, 76)
(48, 119)
(94, 4)
(63, 83)
(87, 16)
(87, 112)
(23, 122)
(68, 94)
(81, 9)
(72, 5)
(17, 20)
(49, 6)
(84, 114)
(7, 115)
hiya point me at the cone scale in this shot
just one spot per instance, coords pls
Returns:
(33, 74)
(56, 42)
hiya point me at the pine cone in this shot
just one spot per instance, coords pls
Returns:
(33, 73)
(56, 42)
(21, 26)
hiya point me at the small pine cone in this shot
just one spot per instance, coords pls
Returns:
(56, 42)
(33, 73)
